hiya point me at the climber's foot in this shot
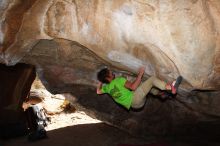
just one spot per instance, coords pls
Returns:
(175, 84)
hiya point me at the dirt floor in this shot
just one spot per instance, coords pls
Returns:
(71, 127)
(78, 129)
(96, 134)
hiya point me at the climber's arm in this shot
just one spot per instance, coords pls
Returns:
(99, 87)
(133, 85)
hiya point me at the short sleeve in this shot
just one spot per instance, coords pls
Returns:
(104, 89)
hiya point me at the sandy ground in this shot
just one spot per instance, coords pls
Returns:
(78, 129)
(70, 119)
(71, 127)
(98, 134)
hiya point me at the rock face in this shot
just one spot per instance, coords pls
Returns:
(69, 41)
(170, 38)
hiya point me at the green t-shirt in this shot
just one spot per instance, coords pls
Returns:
(119, 92)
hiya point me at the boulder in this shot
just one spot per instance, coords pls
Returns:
(70, 41)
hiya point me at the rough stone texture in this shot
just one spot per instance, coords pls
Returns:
(69, 41)
(169, 37)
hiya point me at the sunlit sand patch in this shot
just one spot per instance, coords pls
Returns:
(65, 119)
(60, 112)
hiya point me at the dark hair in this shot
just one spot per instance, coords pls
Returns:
(102, 75)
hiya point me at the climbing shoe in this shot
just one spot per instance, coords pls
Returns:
(175, 84)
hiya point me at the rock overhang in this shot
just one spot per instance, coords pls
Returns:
(69, 41)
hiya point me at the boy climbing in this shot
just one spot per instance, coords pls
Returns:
(132, 94)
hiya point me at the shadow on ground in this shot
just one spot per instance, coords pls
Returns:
(98, 134)
(81, 135)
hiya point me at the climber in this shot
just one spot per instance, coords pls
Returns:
(132, 94)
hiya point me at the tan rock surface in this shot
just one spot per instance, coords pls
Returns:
(68, 41)
(169, 37)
